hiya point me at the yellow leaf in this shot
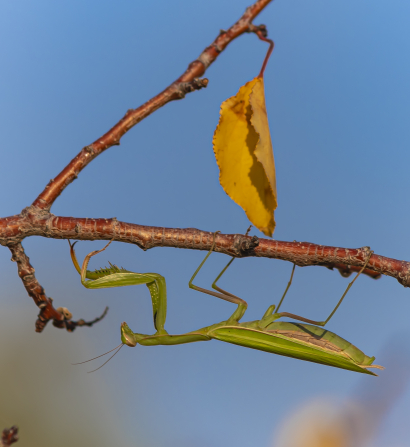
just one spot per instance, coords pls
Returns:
(243, 151)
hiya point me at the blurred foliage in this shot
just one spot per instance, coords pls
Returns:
(43, 394)
(354, 422)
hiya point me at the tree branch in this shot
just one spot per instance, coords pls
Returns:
(36, 220)
(186, 83)
(62, 316)
(301, 253)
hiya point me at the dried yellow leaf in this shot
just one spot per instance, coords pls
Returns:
(243, 151)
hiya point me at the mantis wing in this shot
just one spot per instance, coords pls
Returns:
(290, 346)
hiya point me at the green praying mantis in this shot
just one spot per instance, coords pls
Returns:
(307, 341)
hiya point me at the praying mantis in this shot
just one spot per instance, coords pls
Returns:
(307, 341)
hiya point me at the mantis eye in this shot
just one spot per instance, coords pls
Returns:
(127, 336)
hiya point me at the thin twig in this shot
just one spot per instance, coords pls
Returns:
(9, 436)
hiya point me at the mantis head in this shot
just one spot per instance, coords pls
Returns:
(127, 336)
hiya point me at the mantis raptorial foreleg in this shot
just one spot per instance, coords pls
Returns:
(114, 276)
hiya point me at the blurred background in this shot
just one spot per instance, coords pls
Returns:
(338, 100)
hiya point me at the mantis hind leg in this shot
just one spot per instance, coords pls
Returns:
(286, 290)
(320, 323)
(347, 289)
(224, 295)
(269, 316)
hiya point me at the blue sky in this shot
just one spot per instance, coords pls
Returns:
(338, 101)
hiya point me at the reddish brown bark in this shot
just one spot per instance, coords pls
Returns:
(61, 317)
(146, 237)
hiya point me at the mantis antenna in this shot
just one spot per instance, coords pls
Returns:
(102, 355)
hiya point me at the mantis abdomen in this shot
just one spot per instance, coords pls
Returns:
(300, 341)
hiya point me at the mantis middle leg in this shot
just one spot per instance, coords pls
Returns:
(242, 304)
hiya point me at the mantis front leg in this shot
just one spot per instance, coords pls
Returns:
(114, 276)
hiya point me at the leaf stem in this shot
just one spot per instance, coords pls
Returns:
(269, 52)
